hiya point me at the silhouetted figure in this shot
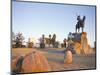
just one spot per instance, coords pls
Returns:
(80, 23)
(64, 42)
(49, 42)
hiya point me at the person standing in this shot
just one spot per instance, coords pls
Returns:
(64, 42)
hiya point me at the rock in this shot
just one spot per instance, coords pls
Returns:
(13, 64)
(68, 57)
(84, 42)
(16, 64)
(81, 43)
(78, 47)
(35, 62)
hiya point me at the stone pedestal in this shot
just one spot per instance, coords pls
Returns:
(81, 43)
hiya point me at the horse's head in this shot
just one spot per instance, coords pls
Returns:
(84, 18)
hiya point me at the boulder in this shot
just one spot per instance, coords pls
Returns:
(35, 62)
(32, 62)
(78, 47)
(68, 57)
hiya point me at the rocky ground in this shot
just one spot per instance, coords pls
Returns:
(55, 58)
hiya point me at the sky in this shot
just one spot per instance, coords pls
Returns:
(34, 19)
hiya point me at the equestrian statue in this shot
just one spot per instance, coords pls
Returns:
(80, 23)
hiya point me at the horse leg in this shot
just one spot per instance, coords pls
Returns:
(82, 29)
(78, 29)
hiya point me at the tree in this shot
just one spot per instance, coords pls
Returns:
(19, 39)
(42, 41)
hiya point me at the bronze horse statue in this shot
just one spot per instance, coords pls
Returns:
(80, 23)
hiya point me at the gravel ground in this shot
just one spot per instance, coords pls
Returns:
(55, 58)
